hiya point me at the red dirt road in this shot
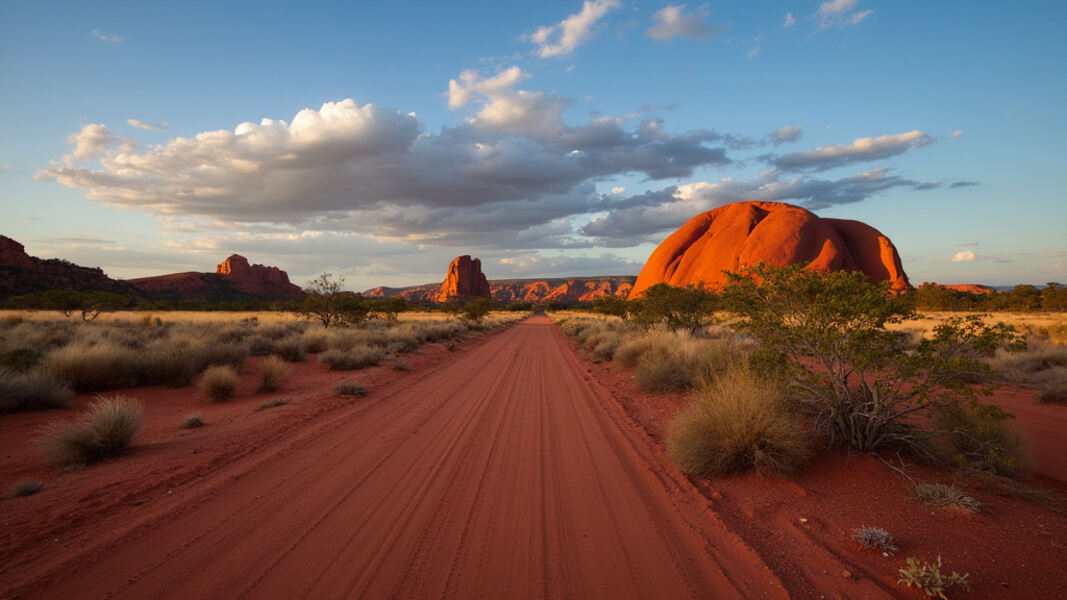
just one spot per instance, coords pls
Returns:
(507, 473)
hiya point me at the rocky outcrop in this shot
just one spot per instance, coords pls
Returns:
(259, 280)
(464, 281)
(538, 291)
(970, 288)
(744, 234)
(233, 279)
(21, 274)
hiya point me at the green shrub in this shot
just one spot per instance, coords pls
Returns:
(928, 578)
(192, 421)
(738, 422)
(36, 390)
(350, 388)
(272, 373)
(291, 349)
(356, 358)
(219, 383)
(24, 487)
(980, 438)
(89, 368)
(106, 430)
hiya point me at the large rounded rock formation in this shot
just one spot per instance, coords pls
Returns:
(745, 234)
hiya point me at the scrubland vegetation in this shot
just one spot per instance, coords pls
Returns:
(104, 431)
(45, 358)
(831, 357)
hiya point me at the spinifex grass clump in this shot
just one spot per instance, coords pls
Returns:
(106, 430)
(219, 383)
(738, 421)
(272, 373)
(875, 538)
(939, 494)
(36, 390)
(350, 388)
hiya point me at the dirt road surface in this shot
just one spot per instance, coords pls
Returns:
(506, 473)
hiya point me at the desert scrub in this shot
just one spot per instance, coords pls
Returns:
(173, 362)
(939, 494)
(218, 384)
(20, 359)
(315, 341)
(350, 388)
(192, 421)
(104, 431)
(272, 404)
(875, 538)
(272, 373)
(290, 349)
(356, 358)
(980, 439)
(36, 390)
(1021, 366)
(24, 487)
(928, 578)
(89, 368)
(259, 346)
(400, 364)
(737, 422)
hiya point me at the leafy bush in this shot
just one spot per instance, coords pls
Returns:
(875, 538)
(356, 358)
(36, 390)
(689, 308)
(476, 309)
(350, 388)
(272, 373)
(219, 383)
(106, 430)
(939, 494)
(979, 438)
(928, 578)
(865, 387)
(739, 421)
(192, 421)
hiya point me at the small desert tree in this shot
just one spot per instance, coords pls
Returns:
(326, 302)
(867, 388)
(690, 307)
(476, 308)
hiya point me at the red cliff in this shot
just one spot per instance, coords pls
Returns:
(745, 234)
(464, 280)
(232, 277)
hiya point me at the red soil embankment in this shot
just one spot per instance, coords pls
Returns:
(503, 473)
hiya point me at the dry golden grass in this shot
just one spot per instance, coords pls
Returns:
(272, 373)
(1051, 326)
(218, 384)
(104, 431)
(738, 421)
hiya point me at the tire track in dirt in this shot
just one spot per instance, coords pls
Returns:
(505, 473)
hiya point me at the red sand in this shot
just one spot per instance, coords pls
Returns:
(505, 469)
(502, 473)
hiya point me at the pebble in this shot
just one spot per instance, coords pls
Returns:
(846, 574)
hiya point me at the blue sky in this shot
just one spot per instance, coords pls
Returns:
(549, 139)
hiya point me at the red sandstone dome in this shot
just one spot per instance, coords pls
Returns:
(745, 234)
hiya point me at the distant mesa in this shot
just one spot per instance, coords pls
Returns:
(745, 234)
(464, 281)
(970, 288)
(21, 274)
(233, 277)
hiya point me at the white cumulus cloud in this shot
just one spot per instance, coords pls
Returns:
(563, 37)
(862, 149)
(964, 256)
(675, 22)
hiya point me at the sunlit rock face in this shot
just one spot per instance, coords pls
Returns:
(464, 280)
(745, 234)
